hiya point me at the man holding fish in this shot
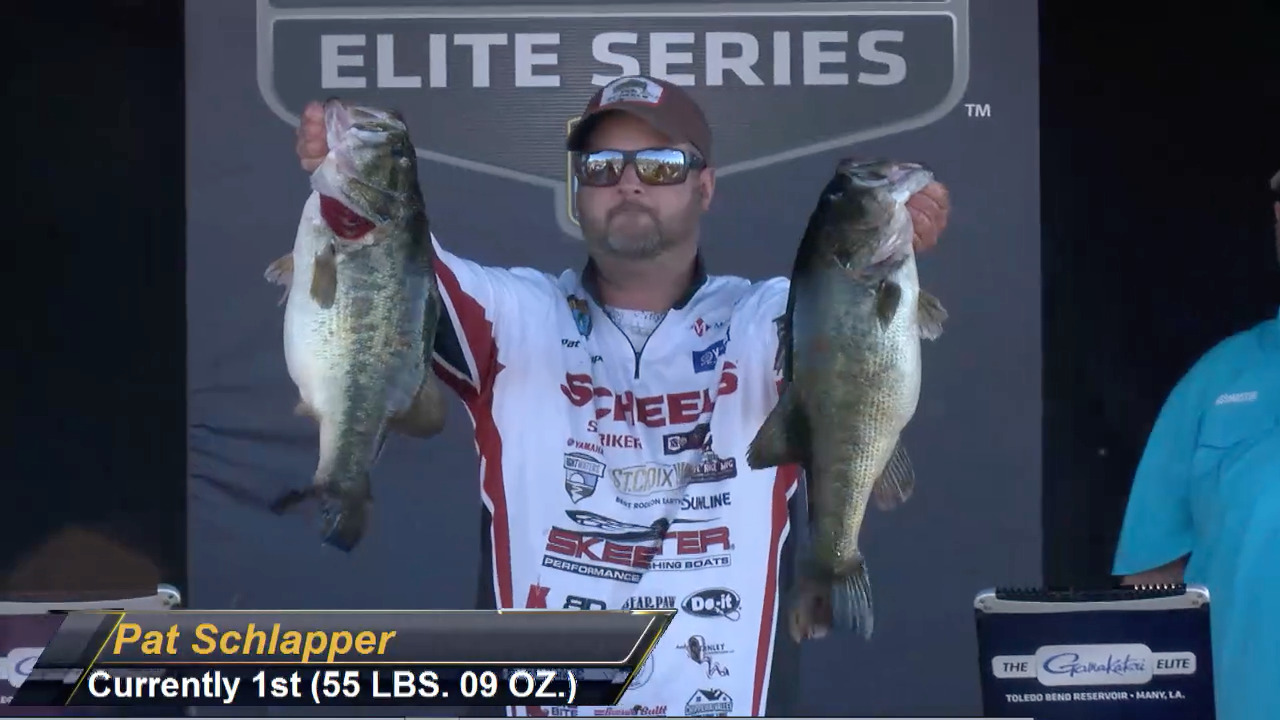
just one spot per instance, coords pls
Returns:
(819, 373)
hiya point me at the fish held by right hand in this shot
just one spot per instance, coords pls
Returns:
(849, 352)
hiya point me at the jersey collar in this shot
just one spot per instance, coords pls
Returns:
(590, 282)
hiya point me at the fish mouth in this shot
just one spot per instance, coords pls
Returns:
(343, 119)
(356, 133)
(900, 180)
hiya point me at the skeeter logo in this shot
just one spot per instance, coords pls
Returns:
(1094, 665)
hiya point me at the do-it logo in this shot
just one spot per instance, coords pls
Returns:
(492, 87)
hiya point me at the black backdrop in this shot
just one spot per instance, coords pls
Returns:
(1155, 157)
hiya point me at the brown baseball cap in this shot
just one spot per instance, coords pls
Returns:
(667, 107)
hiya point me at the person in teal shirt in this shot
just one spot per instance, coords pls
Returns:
(1205, 509)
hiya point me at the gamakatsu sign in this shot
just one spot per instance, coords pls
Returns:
(494, 88)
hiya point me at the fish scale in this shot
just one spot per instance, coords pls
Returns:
(849, 350)
(880, 369)
(374, 333)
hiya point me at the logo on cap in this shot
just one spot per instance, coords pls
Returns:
(631, 89)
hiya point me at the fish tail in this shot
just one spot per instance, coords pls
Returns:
(824, 601)
(851, 602)
(344, 508)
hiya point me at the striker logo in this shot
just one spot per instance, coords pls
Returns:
(440, 59)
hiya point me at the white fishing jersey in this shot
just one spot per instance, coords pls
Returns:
(614, 477)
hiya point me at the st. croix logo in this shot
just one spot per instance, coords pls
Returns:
(494, 88)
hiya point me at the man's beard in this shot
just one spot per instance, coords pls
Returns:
(641, 234)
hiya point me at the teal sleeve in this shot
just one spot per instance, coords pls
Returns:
(1157, 524)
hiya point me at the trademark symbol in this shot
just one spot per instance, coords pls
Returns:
(978, 110)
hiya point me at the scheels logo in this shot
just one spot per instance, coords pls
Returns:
(440, 60)
(679, 408)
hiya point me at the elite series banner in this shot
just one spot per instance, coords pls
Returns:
(489, 90)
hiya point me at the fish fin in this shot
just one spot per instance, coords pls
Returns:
(782, 437)
(425, 416)
(897, 482)
(805, 474)
(324, 278)
(888, 297)
(304, 410)
(929, 316)
(280, 272)
(820, 604)
(382, 445)
(782, 358)
(344, 509)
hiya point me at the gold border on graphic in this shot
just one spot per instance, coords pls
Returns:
(106, 639)
(659, 615)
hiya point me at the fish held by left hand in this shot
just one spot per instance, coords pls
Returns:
(361, 309)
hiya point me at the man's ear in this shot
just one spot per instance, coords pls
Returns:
(707, 186)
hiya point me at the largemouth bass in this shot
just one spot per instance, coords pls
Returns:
(849, 352)
(361, 308)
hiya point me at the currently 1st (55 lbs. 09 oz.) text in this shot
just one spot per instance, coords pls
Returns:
(384, 684)
(286, 685)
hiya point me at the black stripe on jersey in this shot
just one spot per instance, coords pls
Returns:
(448, 348)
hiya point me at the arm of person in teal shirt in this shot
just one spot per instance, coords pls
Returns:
(1158, 534)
